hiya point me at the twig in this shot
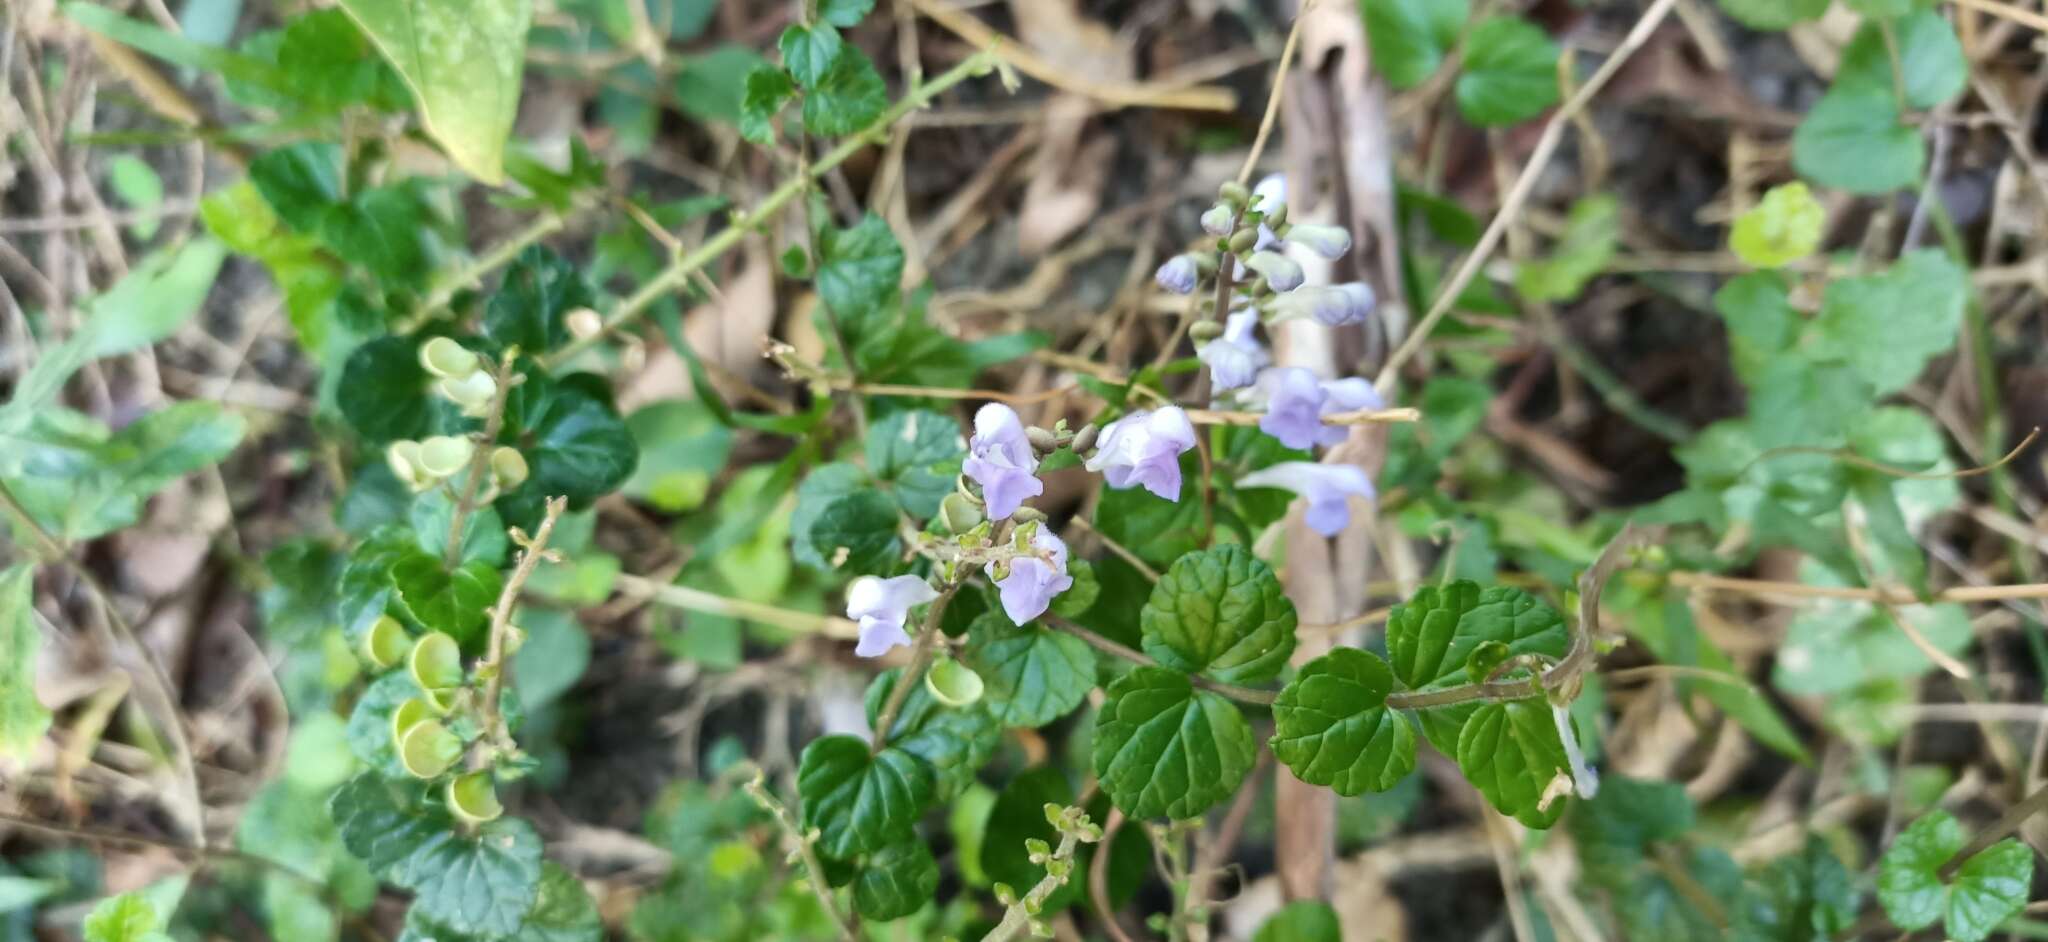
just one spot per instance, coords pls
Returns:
(1135, 656)
(1244, 172)
(696, 600)
(1098, 878)
(1123, 552)
(2018, 15)
(1764, 588)
(680, 270)
(1848, 457)
(2007, 823)
(814, 871)
(920, 658)
(1525, 184)
(501, 614)
(104, 836)
(444, 288)
(479, 464)
(1119, 94)
(1018, 916)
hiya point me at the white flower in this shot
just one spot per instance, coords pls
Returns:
(1283, 274)
(1144, 449)
(881, 606)
(1270, 193)
(1327, 487)
(1326, 241)
(1236, 357)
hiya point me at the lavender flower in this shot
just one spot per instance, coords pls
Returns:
(1235, 358)
(881, 605)
(1219, 219)
(1033, 581)
(1324, 304)
(1326, 241)
(1270, 193)
(1179, 274)
(1296, 403)
(1327, 487)
(1282, 273)
(1363, 301)
(1000, 459)
(1144, 449)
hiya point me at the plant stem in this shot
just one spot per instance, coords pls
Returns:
(1893, 595)
(814, 871)
(1108, 646)
(444, 289)
(920, 658)
(696, 600)
(501, 618)
(1018, 916)
(2007, 823)
(479, 465)
(681, 269)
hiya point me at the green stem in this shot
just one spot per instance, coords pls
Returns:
(1108, 646)
(479, 465)
(920, 658)
(444, 289)
(1018, 916)
(681, 269)
(814, 871)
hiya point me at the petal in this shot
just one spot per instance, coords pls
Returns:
(1328, 517)
(878, 635)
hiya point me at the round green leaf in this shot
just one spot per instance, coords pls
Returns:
(1511, 752)
(1430, 637)
(1165, 749)
(386, 392)
(1410, 38)
(453, 603)
(531, 308)
(919, 453)
(954, 741)
(861, 803)
(896, 881)
(1988, 889)
(1331, 725)
(1220, 611)
(1302, 921)
(1034, 675)
(482, 884)
(575, 444)
(1853, 140)
(856, 533)
(1510, 72)
(1930, 68)
(1782, 228)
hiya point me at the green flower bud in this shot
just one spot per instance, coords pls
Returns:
(385, 643)
(1234, 193)
(474, 798)
(1276, 219)
(1242, 240)
(436, 662)
(429, 749)
(1037, 850)
(445, 358)
(508, 467)
(1005, 895)
(444, 455)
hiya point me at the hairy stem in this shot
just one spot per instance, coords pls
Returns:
(1018, 917)
(814, 871)
(920, 658)
(501, 618)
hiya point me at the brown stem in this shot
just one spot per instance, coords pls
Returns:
(479, 465)
(920, 658)
(501, 617)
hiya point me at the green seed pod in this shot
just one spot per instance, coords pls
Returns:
(958, 514)
(412, 712)
(444, 455)
(474, 798)
(442, 699)
(436, 662)
(953, 683)
(1276, 219)
(386, 642)
(508, 467)
(447, 359)
(428, 749)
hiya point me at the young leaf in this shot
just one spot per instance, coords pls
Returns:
(1930, 68)
(1331, 725)
(530, 309)
(896, 881)
(1302, 921)
(299, 181)
(1591, 232)
(1511, 752)
(809, 52)
(1163, 748)
(1034, 675)
(1988, 889)
(124, 918)
(463, 60)
(1429, 637)
(1783, 227)
(1854, 140)
(849, 96)
(1888, 325)
(1220, 611)
(920, 452)
(858, 268)
(844, 13)
(861, 803)
(1510, 72)
(768, 90)
(1410, 38)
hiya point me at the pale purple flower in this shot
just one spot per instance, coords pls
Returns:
(881, 606)
(1363, 301)
(1219, 219)
(1270, 193)
(1327, 487)
(1324, 304)
(1144, 449)
(1000, 459)
(1296, 402)
(1326, 241)
(1033, 580)
(1236, 357)
(1179, 274)
(1282, 273)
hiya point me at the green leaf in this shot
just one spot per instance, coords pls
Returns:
(1511, 752)
(1615, 830)
(1882, 9)
(124, 918)
(369, 724)
(575, 444)
(451, 602)
(482, 885)
(1220, 611)
(299, 181)
(855, 533)
(1302, 921)
(1854, 140)
(768, 90)
(1774, 14)
(483, 532)
(564, 911)
(1034, 675)
(848, 97)
(1331, 725)
(1158, 531)
(139, 188)
(809, 51)
(896, 881)
(1833, 647)
(1800, 897)
(1429, 637)
(383, 229)
(955, 741)
(844, 13)
(1782, 228)
(859, 268)
(1988, 889)
(387, 393)
(530, 310)
(173, 47)
(463, 60)
(712, 85)
(1931, 68)
(553, 658)
(824, 486)
(1887, 325)
(1510, 72)
(920, 452)
(1591, 233)
(1410, 38)
(381, 824)
(861, 803)
(79, 488)
(1164, 749)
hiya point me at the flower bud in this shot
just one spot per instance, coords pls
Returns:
(444, 455)
(1275, 216)
(1243, 239)
(1178, 275)
(445, 358)
(428, 749)
(508, 467)
(473, 392)
(473, 798)
(1234, 193)
(1085, 438)
(385, 643)
(1205, 331)
(404, 459)
(1282, 273)
(1041, 440)
(953, 683)
(1326, 241)
(958, 514)
(1219, 219)
(584, 323)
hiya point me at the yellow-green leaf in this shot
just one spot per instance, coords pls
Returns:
(462, 59)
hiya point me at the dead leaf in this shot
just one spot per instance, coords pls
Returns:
(1067, 176)
(1056, 30)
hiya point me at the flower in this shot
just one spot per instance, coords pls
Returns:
(1270, 193)
(1324, 304)
(881, 605)
(1144, 448)
(1282, 273)
(1296, 403)
(1219, 219)
(1235, 358)
(1363, 301)
(1328, 488)
(1179, 274)
(1035, 579)
(1000, 459)
(1326, 241)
